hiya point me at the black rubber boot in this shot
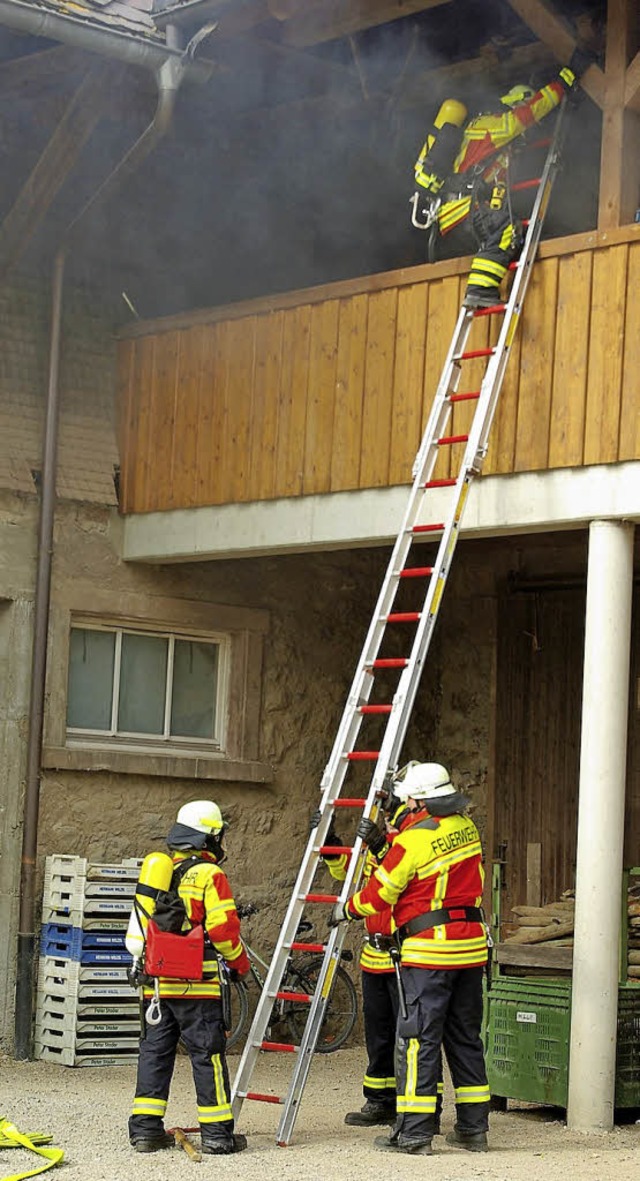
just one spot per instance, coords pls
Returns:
(413, 1145)
(371, 1115)
(152, 1143)
(224, 1145)
(482, 297)
(471, 1141)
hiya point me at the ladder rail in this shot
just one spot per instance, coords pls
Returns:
(399, 712)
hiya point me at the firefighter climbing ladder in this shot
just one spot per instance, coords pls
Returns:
(398, 712)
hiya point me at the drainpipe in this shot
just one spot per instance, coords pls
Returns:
(169, 78)
(23, 16)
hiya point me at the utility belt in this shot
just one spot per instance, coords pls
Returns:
(435, 918)
(381, 942)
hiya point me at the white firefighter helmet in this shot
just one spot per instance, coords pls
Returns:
(201, 815)
(423, 781)
(520, 93)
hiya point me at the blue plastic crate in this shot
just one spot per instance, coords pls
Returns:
(67, 942)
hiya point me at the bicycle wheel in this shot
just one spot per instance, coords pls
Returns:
(341, 1011)
(239, 1013)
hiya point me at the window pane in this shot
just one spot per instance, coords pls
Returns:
(195, 679)
(143, 679)
(90, 688)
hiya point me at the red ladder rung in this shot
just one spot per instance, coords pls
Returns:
(448, 440)
(262, 1098)
(339, 849)
(391, 662)
(349, 803)
(440, 483)
(278, 1048)
(488, 352)
(526, 184)
(465, 398)
(363, 756)
(400, 617)
(428, 528)
(417, 572)
(321, 897)
(492, 311)
(294, 996)
(308, 946)
(377, 709)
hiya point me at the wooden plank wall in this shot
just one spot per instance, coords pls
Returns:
(539, 693)
(328, 390)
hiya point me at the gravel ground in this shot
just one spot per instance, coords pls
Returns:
(87, 1110)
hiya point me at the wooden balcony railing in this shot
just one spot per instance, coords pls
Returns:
(328, 389)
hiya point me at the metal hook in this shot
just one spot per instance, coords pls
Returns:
(430, 212)
(153, 1015)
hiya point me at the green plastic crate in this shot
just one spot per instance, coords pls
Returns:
(526, 1037)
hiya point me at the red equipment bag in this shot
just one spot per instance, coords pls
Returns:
(178, 957)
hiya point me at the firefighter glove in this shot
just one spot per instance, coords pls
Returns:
(372, 836)
(580, 61)
(339, 914)
(332, 836)
(235, 976)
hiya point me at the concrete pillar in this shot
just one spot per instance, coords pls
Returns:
(603, 761)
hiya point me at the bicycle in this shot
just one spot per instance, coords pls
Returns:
(300, 978)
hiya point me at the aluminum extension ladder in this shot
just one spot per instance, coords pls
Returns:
(344, 754)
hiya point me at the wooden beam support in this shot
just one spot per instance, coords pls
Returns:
(549, 28)
(342, 18)
(620, 154)
(632, 85)
(56, 161)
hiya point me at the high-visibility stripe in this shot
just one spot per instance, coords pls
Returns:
(378, 1084)
(432, 868)
(372, 960)
(143, 1105)
(215, 1115)
(410, 1102)
(479, 1094)
(488, 267)
(416, 1106)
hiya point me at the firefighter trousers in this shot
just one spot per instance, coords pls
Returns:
(444, 1011)
(380, 1011)
(500, 240)
(198, 1021)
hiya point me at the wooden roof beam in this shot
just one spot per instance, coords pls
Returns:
(549, 28)
(311, 24)
(56, 161)
(620, 155)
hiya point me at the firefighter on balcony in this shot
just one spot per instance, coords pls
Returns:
(432, 878)
(190, 1008)
(463, 170)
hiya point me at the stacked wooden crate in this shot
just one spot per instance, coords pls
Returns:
(87, 1013)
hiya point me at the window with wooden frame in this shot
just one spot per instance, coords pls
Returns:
(139, 687)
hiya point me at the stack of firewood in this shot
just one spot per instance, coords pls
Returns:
(552, 923)
(633, 909)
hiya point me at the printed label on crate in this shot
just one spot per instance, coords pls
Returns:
(110, 889)
(527, 1018)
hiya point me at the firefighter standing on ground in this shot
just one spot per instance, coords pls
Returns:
(379, 990)
(192, 1010)
(379, 986)
(464, 170)
(432, 878)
